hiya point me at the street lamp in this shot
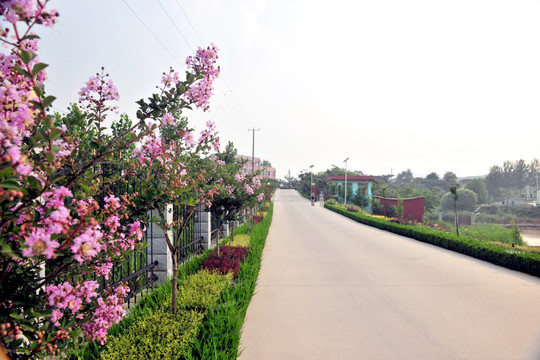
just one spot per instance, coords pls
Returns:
(345, 161)
(311, 169)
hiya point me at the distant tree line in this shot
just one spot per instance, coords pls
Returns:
(508, 180)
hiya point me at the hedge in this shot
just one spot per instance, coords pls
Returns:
(526, 262)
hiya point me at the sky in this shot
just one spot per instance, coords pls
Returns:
(426, 85)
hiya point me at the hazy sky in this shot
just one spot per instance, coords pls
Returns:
(429, 85)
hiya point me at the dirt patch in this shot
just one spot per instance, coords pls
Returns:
(531, 235)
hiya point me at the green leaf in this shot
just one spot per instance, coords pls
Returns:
(21, 71)
(10, 184)
(48, 101)
(37, 104)
(38, 68)
(27, 56)
(51, 156)
(55, 134)
(38, 89)
(31, 36)
(37, 216)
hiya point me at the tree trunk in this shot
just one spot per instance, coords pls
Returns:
(174, 280)
(232, 231)
(456, 218)
(217, 242)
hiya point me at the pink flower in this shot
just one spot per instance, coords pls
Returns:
(112, 202)
(248, 189)
(167, 119)
(202, 63)
(260, 197)
(87, 245)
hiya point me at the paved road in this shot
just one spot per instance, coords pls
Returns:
(330, 288)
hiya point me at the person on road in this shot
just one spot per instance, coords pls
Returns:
(312, 199)
(321, 198)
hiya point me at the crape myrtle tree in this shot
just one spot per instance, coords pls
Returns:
(171, 168)
(60, 221)
(236, 190)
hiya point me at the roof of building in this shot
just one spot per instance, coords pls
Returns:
(350, 178)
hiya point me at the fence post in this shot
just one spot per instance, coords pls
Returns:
(161, 250)
(225, 232)
(205, 222)
(473, 219)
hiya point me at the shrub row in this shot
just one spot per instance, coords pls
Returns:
(219, 336)
(163, 334)
(229, 259)
(527, 262)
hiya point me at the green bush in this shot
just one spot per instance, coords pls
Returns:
(241, 240)
(160, 335)
(201, 291)
(527, 262)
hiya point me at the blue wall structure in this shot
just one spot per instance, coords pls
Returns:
(357, 182)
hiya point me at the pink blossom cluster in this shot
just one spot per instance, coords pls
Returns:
(248, 189)
(189, 140)
(24, 10)
(260, 197)
(68, 301)
(203, 63)
(109, 311)
(239, 177)
(170, 79)
(16, 113)
(97, 91)
(167, 119)
(64, 297)
(152, 150)
(256, 183)
(210, 135)
(43, 240)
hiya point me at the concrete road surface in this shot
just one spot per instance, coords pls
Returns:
(331, 288)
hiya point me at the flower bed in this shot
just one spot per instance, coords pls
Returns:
(228, 260)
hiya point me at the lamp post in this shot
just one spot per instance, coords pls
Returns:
(311, 186)
(345, 161)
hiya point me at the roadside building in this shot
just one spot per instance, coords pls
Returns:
(336, 185)
(267, 172)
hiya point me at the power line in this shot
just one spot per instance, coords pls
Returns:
(176, 27)
(154, 35)
(222, 77)
(184, 38)
(189, 21)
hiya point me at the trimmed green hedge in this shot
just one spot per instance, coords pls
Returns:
(523, 261)
(160, 335)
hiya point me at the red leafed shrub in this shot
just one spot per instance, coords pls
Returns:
(352, 209)
(230, 258)
(257, 218)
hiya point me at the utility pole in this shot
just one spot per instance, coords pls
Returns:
(345, 161)
(253, 151)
